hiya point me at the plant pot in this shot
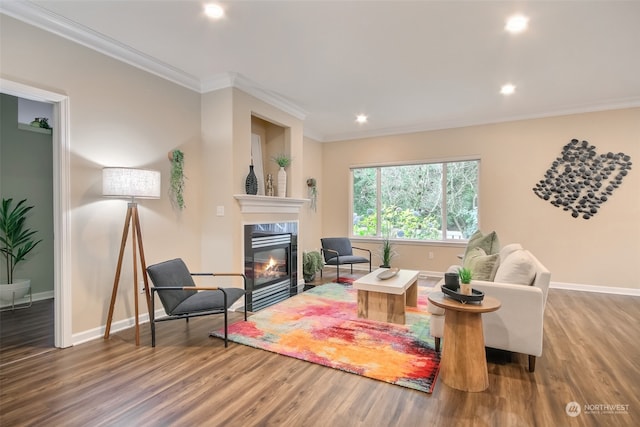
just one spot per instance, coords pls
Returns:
(15, 291)
(282, 183)
(308, 279)
(465, 289)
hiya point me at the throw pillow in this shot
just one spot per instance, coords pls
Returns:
(518, 269)
(488, 243)
(482, 266)
(509, 249)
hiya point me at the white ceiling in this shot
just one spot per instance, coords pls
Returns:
(408, 65)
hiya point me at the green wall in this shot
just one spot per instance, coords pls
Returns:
(26, 171)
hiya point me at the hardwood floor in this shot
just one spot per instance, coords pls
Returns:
(591, 356)
(26, 332)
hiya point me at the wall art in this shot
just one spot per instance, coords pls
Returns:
(580, 180)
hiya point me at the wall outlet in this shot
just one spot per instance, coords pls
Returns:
(141, 286)
(430, 255)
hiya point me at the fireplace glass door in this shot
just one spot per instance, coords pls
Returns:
(269, 266)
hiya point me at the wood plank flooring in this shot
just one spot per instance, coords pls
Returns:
(591, 356)
(26, 332)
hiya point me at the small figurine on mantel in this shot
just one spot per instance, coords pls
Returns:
(269, 185)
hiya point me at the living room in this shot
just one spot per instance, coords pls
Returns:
(121, 115)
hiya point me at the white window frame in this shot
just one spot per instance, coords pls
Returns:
(378, 235)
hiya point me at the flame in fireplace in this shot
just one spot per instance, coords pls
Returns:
(271, 264)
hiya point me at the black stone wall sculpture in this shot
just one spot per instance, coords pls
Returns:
(580, 180)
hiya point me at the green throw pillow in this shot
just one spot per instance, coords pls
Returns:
(489, 243)
(482, 266)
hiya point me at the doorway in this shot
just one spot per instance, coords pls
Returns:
(61, 209)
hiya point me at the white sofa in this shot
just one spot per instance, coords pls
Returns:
(518, 325)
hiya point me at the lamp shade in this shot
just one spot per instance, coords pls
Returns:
(126, 182)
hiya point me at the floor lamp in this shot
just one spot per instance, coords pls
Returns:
(131, 183)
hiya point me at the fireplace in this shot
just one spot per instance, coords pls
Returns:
(270, 263)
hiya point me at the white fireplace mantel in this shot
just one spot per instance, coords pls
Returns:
(268, 204)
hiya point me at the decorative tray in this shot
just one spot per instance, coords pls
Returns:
(476, 296)
(388, 274)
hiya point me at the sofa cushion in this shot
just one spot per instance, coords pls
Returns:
(489, 243)
(509, 249)
(518, 268)
(482, 266)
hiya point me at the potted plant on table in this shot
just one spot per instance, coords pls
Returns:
(465, 281)
(16, 243)
(311, 264)
(387, 249)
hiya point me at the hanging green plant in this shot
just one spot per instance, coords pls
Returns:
(177, 177)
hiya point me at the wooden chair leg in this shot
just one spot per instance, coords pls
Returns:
(532, 363)
(437, 342)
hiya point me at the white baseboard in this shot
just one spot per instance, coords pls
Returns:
(594, 288)
(120, 325)
(40, 296)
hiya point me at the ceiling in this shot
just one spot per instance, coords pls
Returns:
(408, 65)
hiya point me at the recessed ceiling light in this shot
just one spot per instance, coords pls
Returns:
(517, 23)
(361, 118)
(507, 89)
(214, 11)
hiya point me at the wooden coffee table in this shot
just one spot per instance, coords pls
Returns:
(464, 363)
(385, 300)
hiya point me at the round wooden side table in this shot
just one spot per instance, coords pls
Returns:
(464, 363)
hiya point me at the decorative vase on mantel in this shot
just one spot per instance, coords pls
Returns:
(282, 182)
(251, 184)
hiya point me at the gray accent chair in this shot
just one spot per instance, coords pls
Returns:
(339, 251)
(182, 299)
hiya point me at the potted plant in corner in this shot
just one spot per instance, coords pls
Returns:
(311, 264)
(16, 242)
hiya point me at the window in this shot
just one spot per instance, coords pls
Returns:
(416, 201)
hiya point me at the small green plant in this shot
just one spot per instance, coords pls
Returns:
(387, 253)
(311, 264)
(17, 241)
(177, 177)
(282, 160)
(465, 276)
(387, 248)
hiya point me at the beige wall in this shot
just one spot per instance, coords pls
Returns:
(119, 116)
(227, 126)
(514, 157)
(312, 220)
(122, 116)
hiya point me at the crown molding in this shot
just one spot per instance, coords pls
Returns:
(617, 104)
(239, 81)
(44, 19)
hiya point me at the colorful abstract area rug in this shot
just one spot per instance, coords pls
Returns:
(322, 326)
